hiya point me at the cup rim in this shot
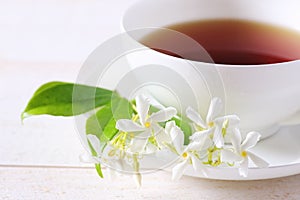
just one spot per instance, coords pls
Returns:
(220, 65)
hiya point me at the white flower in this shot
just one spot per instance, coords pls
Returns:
(148, 125)
(241, 152)
(188, 155)
(115, 160)
(114, 164)
(213, 124)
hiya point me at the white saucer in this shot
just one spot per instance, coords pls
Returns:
(282, 151)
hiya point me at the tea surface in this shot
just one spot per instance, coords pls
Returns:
(228, 41)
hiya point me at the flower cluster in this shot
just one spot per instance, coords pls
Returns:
(215, 141)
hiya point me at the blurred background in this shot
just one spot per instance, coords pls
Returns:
(43, 41)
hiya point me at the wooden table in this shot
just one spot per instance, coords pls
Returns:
(46, 41)
(81, 183)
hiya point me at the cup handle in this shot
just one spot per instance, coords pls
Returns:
(293, 120)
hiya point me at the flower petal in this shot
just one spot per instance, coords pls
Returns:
(137, 145)
(195, 117)
(142, 107)
(95, 142)
(139, 142)
(214, 110)
(162, 137)
(156, 128)
(229, 156)
(194, 146)
(258, 161)
(150, 148)
(177, 137)
(233, 120)
(218, 137)
(128, 125)
(153, 102)
(207, 143)
(169, 126)
(251, 140)
(243, 170)
(236, 140)
(109, 151)
(179, 169)
(163, 115)
(197, 165)
(200, 135)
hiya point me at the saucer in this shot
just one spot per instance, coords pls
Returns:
(281, 151)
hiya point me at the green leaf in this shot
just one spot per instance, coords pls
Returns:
(184, 125)
(103, 122)
(96, 123)
(99, 170)
(97, 165)
(66, 99)
(109, 131)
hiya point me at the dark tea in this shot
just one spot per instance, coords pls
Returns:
(227, 41)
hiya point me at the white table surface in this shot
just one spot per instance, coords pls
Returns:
(48, 40)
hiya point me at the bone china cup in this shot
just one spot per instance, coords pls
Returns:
(264, 96)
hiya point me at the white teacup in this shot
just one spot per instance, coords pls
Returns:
(264, 96)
